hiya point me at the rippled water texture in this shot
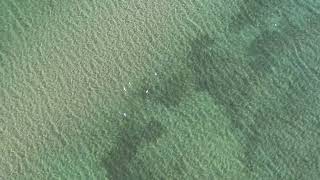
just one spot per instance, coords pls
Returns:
(126, 90)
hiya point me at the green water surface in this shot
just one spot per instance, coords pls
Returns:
(143, 90)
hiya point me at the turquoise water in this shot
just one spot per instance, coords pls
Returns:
(160, 90)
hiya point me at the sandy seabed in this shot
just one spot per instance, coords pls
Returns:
(159, 90)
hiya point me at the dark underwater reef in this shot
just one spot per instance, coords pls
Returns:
(270, 92)
(119, 162)
(253, 13)
(139, 128)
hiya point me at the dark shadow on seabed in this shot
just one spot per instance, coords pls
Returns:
(254, 12)
(119, 163)
(271, 95)
(140, 129)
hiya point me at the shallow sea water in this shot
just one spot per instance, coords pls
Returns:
(126, 90)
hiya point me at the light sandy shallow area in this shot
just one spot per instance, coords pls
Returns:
(158, 90)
